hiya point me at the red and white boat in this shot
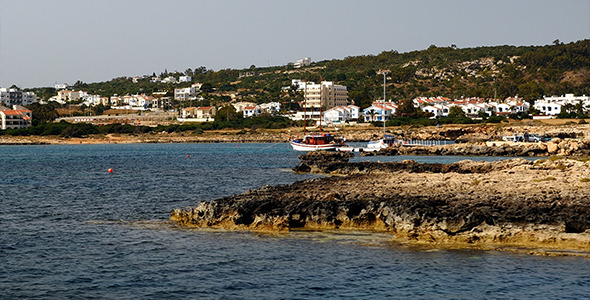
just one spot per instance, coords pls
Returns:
(317, 142)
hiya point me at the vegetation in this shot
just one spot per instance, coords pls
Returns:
(489, 72)
(501, 71)
(66, 129)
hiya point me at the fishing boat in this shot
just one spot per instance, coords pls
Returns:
(316, 142)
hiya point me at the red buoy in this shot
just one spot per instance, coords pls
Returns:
(110, 170)
(188, 155)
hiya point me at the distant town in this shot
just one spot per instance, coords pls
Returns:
(185, 100)
(327, 95)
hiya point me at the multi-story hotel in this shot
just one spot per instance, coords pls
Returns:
(325, 94)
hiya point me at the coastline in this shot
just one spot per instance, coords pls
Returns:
(514, 205)
(478, 133)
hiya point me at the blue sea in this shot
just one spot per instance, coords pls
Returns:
(70, 229)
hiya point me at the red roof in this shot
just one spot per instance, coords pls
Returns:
(12, 112)
(204, 108)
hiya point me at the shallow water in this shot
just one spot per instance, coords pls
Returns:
(70, 229)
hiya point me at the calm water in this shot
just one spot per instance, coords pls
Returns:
(70, 229)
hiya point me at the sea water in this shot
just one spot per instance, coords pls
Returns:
(71, 229)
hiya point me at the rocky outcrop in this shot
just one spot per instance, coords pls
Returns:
(517, 203)
(562, 147)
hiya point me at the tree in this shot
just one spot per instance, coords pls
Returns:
(207, 88)
(99, 109)
(406, 108)
(227, 113)
(456, 112)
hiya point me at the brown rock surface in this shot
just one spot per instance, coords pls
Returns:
(512, 203)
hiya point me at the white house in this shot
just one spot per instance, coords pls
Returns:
(379, 111)
(503, 108)
(239, 106)
(473, 108)
(169, 79)
(185, 79)
(437, 110)
(251, 111)
(91, 100)
(548, 108)
(184, 94)
(271, 107)
(198, 114)
(552, 105)
(68, 96)
(342, 114)
(303, 62)
(61, 86)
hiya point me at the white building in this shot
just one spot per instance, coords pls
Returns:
(65, 96)
(18, 117)
(548, 108)
(240, 106)
(169, 79)
(271, 107)
(17, 97)
(502, 108)
(304, 62)
(325, 94)
(184, 94)
(251, 111)
(198, 114)
(437, 110)
(309, 115)
(133, 102)
(552, 105)
(185, 79)
(342, 114)
(91, 100)
(379, 111)
(61, 86)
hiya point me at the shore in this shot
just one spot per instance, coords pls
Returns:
(478, 133)
(537, 207)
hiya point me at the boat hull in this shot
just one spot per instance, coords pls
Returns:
(306, 147)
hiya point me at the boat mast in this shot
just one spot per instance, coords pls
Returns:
(321, 87)
(304, 107)
(384, 72)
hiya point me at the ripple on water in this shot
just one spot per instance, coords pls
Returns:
(69, 229)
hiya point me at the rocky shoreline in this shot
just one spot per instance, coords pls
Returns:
(541, 206)
(470, 134)
(557, 146)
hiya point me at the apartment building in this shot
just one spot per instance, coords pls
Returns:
(325, 94)
(18, 117)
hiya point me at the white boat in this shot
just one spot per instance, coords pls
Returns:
(383, 143)
(317, 142)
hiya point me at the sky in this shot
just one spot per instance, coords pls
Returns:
(46, 42)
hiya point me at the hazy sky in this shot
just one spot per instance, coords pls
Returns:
(47, 41)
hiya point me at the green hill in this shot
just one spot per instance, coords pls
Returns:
(489, 72)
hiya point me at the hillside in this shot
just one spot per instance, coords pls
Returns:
(498, 71)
